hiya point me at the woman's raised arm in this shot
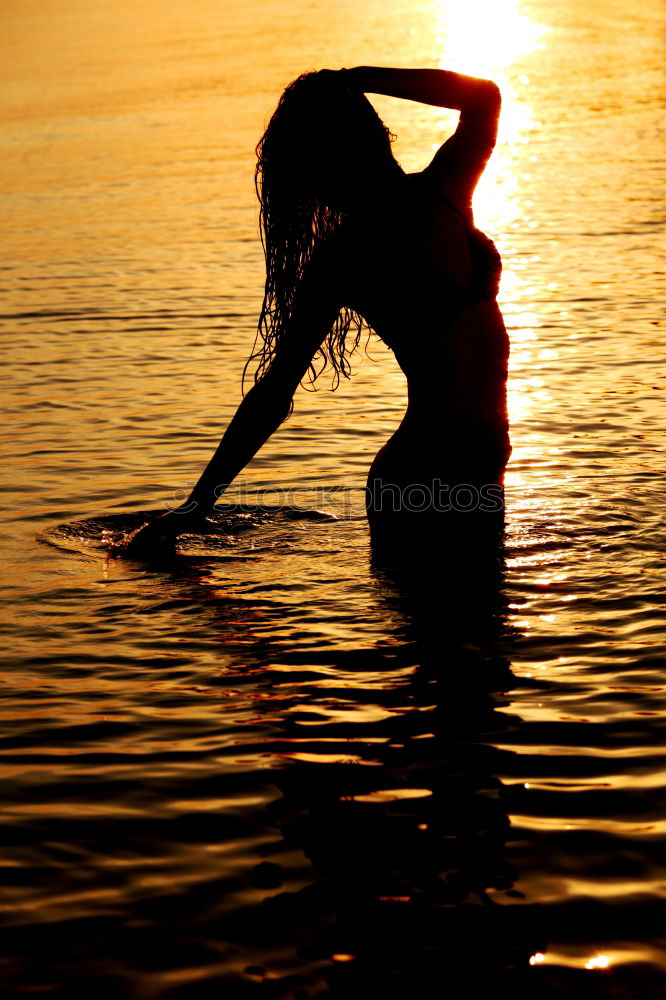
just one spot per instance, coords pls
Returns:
(438, 87)
(463, 157)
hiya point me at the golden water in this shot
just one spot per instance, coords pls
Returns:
(166, 732)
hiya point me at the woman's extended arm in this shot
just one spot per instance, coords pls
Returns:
(259, 415)
(465, 154)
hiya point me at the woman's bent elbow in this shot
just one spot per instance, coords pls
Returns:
(488, 97)
(492, 95)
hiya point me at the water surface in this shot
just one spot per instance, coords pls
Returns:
(269, 767)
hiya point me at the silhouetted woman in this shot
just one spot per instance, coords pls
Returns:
(350, 238)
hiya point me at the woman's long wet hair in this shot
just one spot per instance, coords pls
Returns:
(322, 135)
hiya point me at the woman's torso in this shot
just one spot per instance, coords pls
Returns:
(426, 281)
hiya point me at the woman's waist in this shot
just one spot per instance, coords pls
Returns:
(418, 451)
(468, 353)
(455, 413)
(420, 433)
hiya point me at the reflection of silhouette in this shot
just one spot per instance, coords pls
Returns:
(447, 571)
(406, 849)
(349, 799)
(390, 816)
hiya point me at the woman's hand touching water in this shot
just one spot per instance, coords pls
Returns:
(158, 537)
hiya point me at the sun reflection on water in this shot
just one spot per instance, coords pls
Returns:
(598, 962)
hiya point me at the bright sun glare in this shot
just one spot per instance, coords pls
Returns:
(484, 37)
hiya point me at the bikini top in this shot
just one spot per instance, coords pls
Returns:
(486, 263)
(486, 267)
